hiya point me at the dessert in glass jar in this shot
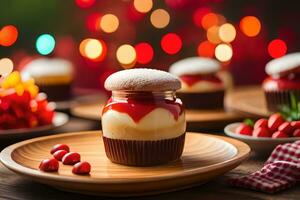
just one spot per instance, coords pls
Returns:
(283, 81)
(143, 122)
(202, 88)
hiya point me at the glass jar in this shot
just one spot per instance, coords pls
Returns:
(143, 128)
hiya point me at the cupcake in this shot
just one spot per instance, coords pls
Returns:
(202, 88)
(283, 80)
(54, 76)
(143, 122)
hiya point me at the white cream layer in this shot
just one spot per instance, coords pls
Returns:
(157, 125)
(201, 86)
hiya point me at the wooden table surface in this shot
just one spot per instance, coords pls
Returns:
(13, 186)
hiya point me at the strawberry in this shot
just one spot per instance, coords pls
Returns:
(59, 147)
(279, 134)
(286, 127)
(296, 133)
(82, 168)
(261, 132)
(58, 155)
(71, 158)
(295, 124)
(49, 165)
(275, 121)
(261, 123)
(244, 129)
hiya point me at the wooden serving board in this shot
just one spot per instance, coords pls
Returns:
(247, 100)
(205, 157)
(196, 119)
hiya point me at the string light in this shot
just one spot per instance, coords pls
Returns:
(93, 22)
(223, 52)
(126, 55)
(92, 49)
(109, 23)
(85, 3)
(143, 6)
(171, 43)
(227, 32)
(160, 18)
(6, 66)
(209, 20)
(198, 15)
(8, 35)
(277, 48)
(144, 52)
(45, 44)
(250, 26)
(213, 35)
(206, 49)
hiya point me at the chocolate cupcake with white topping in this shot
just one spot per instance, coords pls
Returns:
(282, 82)
(143, 122)
(202, 88)
(54, 76)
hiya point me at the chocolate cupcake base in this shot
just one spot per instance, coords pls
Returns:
(203, 100)
(144, 153)
(57, 92)
(276, 99)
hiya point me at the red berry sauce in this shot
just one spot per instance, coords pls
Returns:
(288, 82)
(190, 80)
(141, 105)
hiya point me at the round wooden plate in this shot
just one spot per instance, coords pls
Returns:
(197, 119)
(259, 145)
(205, 157)
(59, 120)
(247, 100)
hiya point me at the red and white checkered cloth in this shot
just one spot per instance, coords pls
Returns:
(281, 171)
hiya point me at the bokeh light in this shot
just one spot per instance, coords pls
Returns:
(93, 22)
(45, 44)
(198, 15)
(143, 6)
(171, 43)
(206, 49)
(93, 49)
(250, 26)
(223, 52)
(109, 23)
(209, 20)
(8, 35)
(213, 35)
(227, 32)
(85, 3)
(277, 48)
(144, 53)
(160, 18)
(6, 66)
(126, 55)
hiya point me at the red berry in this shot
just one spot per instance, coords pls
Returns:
(261, 123)
(279, 134)
(244, 129)
(82, 168)
(60, 147)
(296, 133)
(261, 132)
(295, 124)
(71, 158)
(49, 165)
(286, 127)
(58, 155)
(275, 121)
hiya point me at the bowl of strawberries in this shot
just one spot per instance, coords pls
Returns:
(264, 134)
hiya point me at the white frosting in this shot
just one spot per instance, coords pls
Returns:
(201, 86)
(269, 86)
(283, 64)
(157, 125)
(195, 65)
(48, 67)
